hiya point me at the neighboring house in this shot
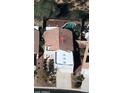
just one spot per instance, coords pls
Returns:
(59, 22)
(36, 46)
(85, 62)
(59, 42)
(84, 67)
(36, 42)
(56, 22)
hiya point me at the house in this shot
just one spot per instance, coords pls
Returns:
(36, 47)
(59, 47)
(60, 22)
(36, 42)
(58, 38)
(56, 22)
(85, 62)
(84, 67)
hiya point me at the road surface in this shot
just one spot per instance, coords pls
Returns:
(47, 90)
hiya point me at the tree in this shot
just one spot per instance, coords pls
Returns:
(45, 8)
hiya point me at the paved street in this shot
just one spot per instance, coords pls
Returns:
(48, 90)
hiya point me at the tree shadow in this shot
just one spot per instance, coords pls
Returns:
(63, 9)
(76, 54)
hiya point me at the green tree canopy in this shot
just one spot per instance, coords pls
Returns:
(45, 8)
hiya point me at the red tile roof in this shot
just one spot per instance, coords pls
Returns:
(59, 38)
(36, 41)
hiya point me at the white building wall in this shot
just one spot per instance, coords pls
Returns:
(49, 54)
(64, 61)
